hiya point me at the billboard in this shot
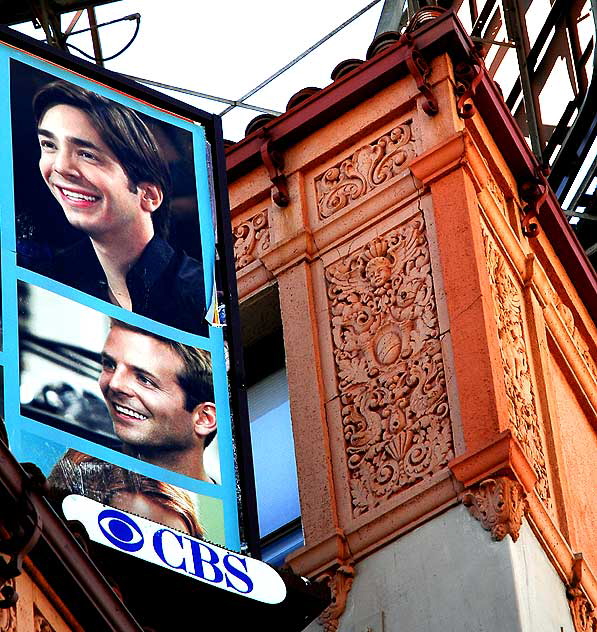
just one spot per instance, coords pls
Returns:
(118, 357)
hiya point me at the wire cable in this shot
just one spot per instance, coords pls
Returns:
(103, 59)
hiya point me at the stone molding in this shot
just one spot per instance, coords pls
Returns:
(499, 504)
(251, 239)
(389, 366)
(518, 380)
(584, 615)
(366, 169)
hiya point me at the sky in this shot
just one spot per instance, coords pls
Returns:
(226, 48)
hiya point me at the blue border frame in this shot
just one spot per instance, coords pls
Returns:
(11, 273)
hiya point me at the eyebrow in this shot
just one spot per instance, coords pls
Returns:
(79, 142)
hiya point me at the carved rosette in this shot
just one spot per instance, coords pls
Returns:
(499, 505)
(389, 365)
(522, 409)
(366, 169)
(584, 616)
(8, 615)
(251, 239)
(41, 624)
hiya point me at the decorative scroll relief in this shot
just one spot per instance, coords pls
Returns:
(499, 505)
(251, 239)
(515, 362)
(395, 414)
(365, 170)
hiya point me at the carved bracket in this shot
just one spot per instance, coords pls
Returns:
(340, 583)
(468, 74)
(498, 504)
(20, 531)
(533, 192)
(583, 613)
(420, 71)
(274, 163)
(339, 580)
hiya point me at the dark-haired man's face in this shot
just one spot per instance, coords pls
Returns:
(86, 178)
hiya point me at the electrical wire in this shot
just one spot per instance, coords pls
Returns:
(103, 59)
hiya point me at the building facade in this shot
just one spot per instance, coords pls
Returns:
(437, 316)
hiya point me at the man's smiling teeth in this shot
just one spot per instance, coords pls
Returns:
(129, 412)
(72, 195)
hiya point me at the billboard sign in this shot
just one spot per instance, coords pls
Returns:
(118, 355)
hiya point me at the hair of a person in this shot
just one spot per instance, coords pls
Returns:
(196, 378)
(125, 134)
(79, 473)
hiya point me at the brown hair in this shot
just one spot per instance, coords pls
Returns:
(79, 473)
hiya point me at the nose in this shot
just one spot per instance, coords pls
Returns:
(119, 381)
(64, 163)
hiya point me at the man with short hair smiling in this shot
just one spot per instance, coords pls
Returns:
(159, 394)
(104, 167)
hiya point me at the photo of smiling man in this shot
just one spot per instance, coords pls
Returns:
(104, 167)
(159, 394)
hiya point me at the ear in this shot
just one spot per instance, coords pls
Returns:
(151, 196)
(204, 419)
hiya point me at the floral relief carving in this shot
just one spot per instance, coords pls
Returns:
(389, 365)
(499, 505)
(8, 613)
(515, 362)
(366, 169)
(40, 622)
(497, 194)
(251, 239)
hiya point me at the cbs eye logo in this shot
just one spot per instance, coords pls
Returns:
(120, 530)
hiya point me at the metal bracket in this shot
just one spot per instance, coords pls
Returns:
(468, 74)
(420, 71)
(533, 192)
(274, 163)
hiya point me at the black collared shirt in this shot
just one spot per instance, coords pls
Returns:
(163, 284)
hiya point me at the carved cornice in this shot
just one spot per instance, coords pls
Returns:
(365, 170)
(251, 239)
(389, 365)
(499, 505)
(518, 381)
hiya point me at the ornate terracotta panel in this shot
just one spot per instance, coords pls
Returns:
(367, 168)
(522, 410)
(390, 371)
(251, 239)
(41, 623)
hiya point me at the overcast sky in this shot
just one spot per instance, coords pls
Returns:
(228, 47)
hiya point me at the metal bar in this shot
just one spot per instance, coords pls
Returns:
(73, 22)
(492, 42)
(518, 35)
(202, 95)
(593, 218)
(95, 39)
(301, 56)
